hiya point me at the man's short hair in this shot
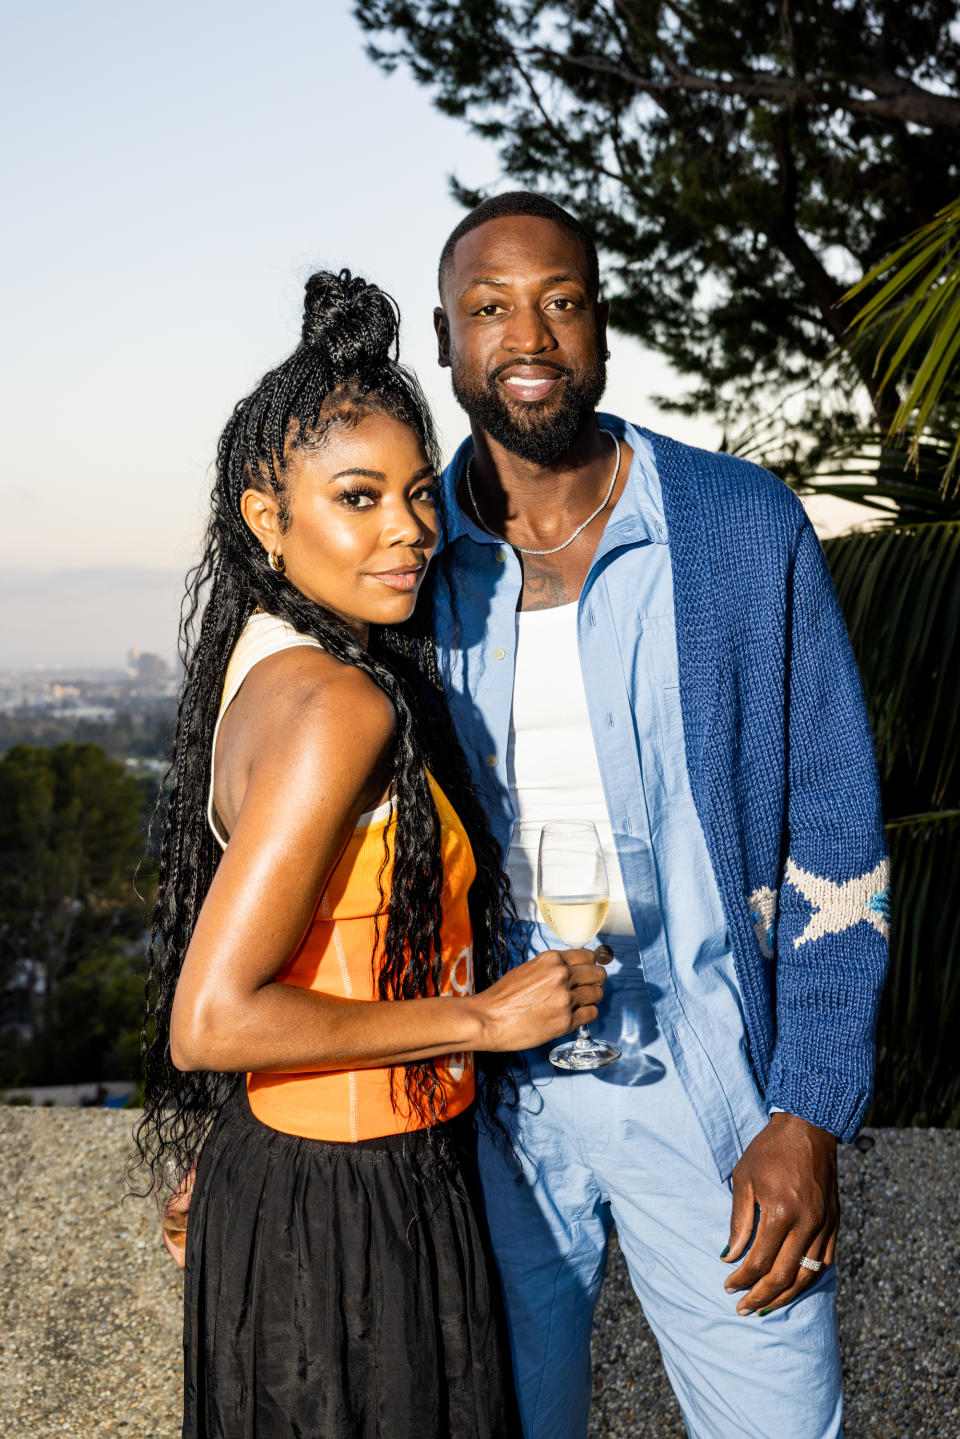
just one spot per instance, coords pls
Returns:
(520, 202)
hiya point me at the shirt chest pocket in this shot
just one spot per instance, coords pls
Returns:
(673, 755)
(656, 702)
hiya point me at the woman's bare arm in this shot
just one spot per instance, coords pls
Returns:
(317, 736)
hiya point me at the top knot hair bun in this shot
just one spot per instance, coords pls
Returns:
(354, 323)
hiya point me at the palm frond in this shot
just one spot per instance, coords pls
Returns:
(911, 323)
(867, 469)
(918, 1080)
(899, 588)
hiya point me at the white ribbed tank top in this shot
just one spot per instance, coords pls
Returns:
(552, 764)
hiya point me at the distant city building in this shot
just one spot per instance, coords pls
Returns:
(91, 695)
(143, 665)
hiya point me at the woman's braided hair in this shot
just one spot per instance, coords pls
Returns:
(344, 369)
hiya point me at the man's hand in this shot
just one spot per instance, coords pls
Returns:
(790, 1172)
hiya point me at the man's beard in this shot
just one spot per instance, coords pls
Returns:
(536, 431)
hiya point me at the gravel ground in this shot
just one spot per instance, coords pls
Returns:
(90, 1341)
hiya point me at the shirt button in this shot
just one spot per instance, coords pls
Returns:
(500, 556)
(492, 761)
(499, 654)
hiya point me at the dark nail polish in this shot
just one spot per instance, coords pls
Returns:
(725, 1252)
(762, 1312)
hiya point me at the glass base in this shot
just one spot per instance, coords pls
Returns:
(586, 1053)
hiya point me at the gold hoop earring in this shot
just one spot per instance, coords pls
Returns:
(276, 561)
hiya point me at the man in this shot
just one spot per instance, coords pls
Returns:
(645, 636)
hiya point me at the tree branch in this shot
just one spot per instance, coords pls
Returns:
(551, 124)
(826, 292)
(895, 97)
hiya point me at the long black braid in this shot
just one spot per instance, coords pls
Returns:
(344, 369)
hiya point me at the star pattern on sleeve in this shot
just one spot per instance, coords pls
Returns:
(837, 907)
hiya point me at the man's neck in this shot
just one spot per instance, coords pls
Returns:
(536, 505)
(548, 509)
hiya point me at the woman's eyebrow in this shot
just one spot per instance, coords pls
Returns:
(421, 474)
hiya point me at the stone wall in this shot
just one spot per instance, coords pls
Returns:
(90, 1341)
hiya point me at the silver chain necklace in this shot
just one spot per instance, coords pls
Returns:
(557, 548)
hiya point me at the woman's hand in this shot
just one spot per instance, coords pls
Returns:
(542, 999)
(174, 1220)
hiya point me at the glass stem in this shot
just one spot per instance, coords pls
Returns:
(583, 1037)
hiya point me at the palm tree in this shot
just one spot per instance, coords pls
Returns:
(912, 323)
(898, 581)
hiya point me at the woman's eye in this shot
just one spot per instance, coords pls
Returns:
(426, 494)
(358, 499)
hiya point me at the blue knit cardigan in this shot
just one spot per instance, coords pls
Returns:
(784, 779)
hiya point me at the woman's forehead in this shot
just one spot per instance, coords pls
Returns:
(366, 439)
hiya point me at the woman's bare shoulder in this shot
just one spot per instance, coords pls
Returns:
(304, 693)
(307, 685)
(304, 728)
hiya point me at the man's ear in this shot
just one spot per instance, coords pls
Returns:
(259, 511)
(442, 327)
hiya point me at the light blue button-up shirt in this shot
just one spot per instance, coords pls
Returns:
(628, 655)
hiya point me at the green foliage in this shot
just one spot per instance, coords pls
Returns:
(899, 585)
(918, 1079)
(912, 325)
(146, 733)
(739, 161)
(71, 923)
(107, 990)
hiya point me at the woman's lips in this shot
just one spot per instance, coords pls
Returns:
(531, 387)
(399, 579)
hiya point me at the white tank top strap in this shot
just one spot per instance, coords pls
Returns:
(263, 635)
(373, 816)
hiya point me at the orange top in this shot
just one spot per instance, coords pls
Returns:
(340, 954)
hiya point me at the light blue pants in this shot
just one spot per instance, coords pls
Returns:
(623, 1146)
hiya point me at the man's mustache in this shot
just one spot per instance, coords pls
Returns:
(540, 365)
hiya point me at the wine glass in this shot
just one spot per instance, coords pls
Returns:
(574, 896)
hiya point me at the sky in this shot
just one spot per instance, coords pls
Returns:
(171, 177)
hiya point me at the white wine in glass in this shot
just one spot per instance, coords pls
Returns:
(574, 896)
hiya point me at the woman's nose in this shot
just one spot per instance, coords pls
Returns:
(403, 527)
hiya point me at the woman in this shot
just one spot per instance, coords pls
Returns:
(346, 951)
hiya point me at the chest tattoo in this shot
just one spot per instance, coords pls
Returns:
(543, 588)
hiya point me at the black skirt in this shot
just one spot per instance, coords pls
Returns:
(340, 1291)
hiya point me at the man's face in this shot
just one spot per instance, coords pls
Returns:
(523, 334)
